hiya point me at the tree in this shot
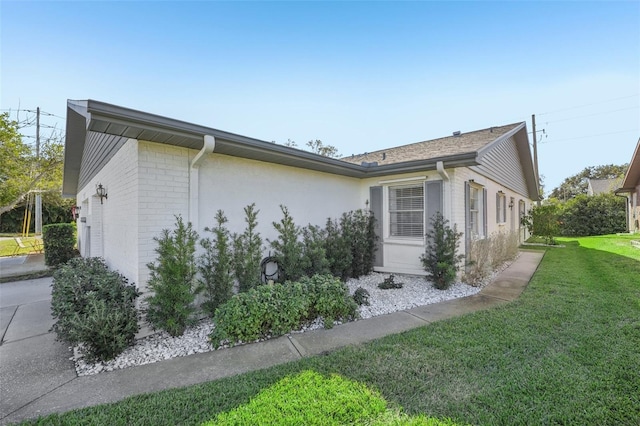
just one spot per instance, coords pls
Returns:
(22, 169)
(318, 147)
(578, 184)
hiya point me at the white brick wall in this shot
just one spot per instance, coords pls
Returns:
(113, 223)
(163, 181)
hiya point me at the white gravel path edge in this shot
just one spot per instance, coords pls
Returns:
(416, 291)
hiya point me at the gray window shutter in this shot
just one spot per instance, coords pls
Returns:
(375, 198)
(497, 208)
(467, 219)
(484, 213)
(432, 201)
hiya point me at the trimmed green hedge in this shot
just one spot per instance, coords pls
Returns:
(273, 310)
(94, 306)
(59, 240)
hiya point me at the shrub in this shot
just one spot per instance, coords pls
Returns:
(389, 283)
(338, 250)
(361, 296)
(440, 259)
(314, 254)
(543, 221)
(488, 254)
(288, 250)
(593, 215)
(273, 310)
(58, 240)
(330, 299)
(247, 251)
(361, 235)
(479, 261)
(215, 266)
(95, 307)
(350, 244)
(267, 310)
(172, 279)
(308, 399)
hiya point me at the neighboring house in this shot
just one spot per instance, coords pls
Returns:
(603, 186)
(631, 187)
(152, 168)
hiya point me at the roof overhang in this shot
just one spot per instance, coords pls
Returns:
(632, 177)
(90, 115)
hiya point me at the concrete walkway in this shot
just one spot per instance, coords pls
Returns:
(38, 378)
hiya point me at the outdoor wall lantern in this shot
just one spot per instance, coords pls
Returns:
(511, 204)
(101, 192)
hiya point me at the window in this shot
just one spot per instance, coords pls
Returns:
(406, 211)
(501, 207)
(476, 212)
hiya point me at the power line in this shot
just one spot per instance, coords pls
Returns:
(592, 115)
(590, 104)
(593, 136)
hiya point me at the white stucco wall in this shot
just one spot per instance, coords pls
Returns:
(113, 224)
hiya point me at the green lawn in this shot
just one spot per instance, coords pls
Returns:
(8, 246)
(566, 352)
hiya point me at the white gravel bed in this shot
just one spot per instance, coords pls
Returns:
(416, 291)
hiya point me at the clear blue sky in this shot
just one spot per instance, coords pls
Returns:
(357, 75)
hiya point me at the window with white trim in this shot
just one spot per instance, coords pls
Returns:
(476, 213)
(406, 211)
(476, 222)
(501, 207)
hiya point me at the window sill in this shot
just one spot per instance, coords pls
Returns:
(404, 242)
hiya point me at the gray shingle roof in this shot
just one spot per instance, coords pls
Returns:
(435, 148)
(604, 186)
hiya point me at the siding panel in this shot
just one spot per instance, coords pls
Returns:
(502, 164)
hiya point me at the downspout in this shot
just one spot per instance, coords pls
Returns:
(194, 179)
(441, 171)
(446, 190)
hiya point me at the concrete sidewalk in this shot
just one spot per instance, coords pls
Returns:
(37, 377)
(15, 266)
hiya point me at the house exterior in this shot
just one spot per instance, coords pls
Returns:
(631, 188)
(602, 186)
(151, 168)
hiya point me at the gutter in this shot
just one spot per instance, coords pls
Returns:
(208, 146)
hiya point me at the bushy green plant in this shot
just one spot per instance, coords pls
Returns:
(362, 237)
(350, 244)
(543, 221)
(266, 310)
(390, 283)
(58, 240)
(288, 249)
(308, 398)
(314, 254)
(273, 310)
(216, 273)
(330, 299)
(94, 306)
(586, 215)
(361, 296)
(338, 250)
(440, 259)
(172, 280)
(247, 251)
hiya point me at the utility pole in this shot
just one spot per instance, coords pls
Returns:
(38, 194)
(535, 154)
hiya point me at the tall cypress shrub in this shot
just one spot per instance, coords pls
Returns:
(172, 280)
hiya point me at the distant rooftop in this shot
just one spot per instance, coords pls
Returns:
(436, 148)
(604, 186)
